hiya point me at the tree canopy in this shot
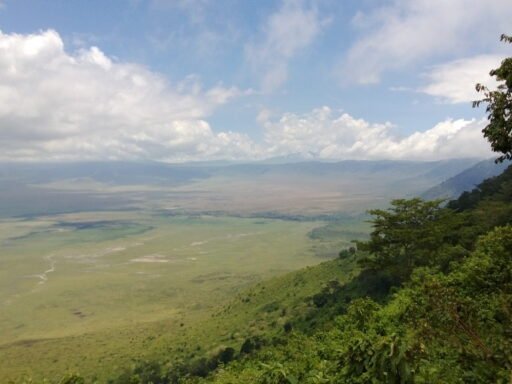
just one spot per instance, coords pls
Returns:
(409, 234)
(499, 108)
(448, 321)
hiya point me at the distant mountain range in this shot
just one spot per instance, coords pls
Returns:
(279, 188)
(466, 180)
(155, 173)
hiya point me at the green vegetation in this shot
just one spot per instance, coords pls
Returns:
(449, 321)
(410, 234)
(427, 298)
(499, 108)
(431, 303)
(91, 292)
(365, 317)
(453, 187)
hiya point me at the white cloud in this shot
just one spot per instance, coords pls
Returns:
(407, 31)
(60, 106)
(286, 32)
(454, 82)
(331, 136)
(56, 105)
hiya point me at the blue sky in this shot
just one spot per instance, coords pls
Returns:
(177, 80)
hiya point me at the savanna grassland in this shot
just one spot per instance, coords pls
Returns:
(88, 292)
(106, 265)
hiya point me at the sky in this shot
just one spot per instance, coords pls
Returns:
(199, 80)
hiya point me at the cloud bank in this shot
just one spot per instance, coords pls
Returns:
(327, 135)
(56, 105)
(403, 32)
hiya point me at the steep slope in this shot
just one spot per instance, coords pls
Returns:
(451, 326)
(319, 325)
(465, 181)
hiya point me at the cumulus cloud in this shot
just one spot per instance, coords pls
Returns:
(57, 105)
(454, 82)
(402, 33)
(286, 32)
(330, 136)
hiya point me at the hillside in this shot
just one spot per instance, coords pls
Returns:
(351, 319)
(465, 181)
(255, 192)
(448, 318)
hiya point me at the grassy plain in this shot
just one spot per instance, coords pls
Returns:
(91, 292)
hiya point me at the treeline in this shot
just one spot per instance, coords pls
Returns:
(445, 311)
(432, 304)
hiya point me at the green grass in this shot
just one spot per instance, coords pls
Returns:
(93, 297)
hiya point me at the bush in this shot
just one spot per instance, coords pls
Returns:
(251, 344)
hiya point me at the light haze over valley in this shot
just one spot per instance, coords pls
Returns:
(187, 186)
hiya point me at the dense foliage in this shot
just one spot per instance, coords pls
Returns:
(450, 321)
(410, 234)
(499, 108)
(431, 304)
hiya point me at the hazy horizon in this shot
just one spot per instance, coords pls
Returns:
(265, 191)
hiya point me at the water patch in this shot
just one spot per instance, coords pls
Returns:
(100, 224)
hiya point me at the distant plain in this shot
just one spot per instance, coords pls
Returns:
(76, 274)
(99, 264)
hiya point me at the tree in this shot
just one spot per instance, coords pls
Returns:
(346, 253)
(499, 108)
(411, 233)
